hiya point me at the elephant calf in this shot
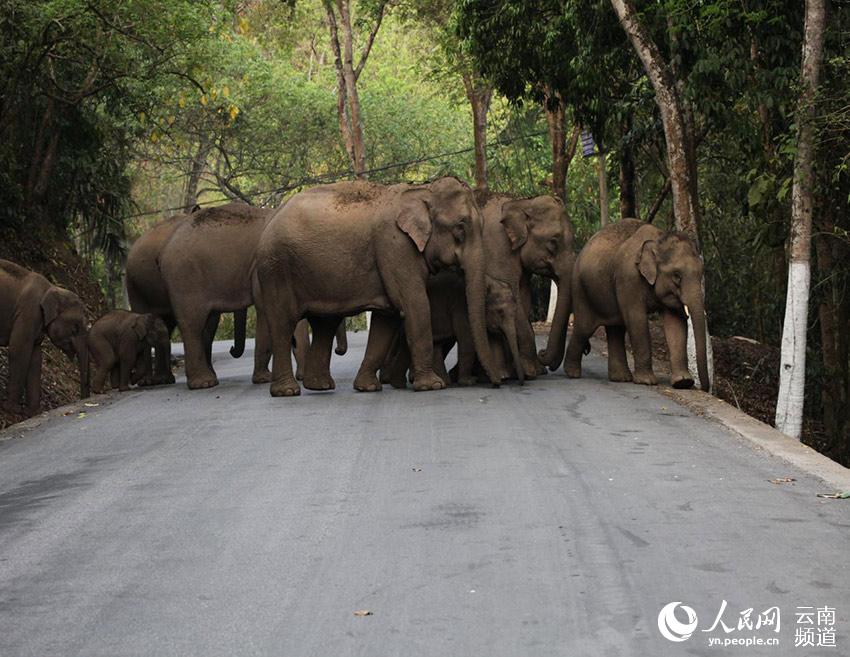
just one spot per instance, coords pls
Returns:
(31, 307)
(450, 326)
(120, 344)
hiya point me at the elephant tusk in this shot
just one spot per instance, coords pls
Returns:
(687, 312)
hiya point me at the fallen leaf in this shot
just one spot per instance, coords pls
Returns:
(82, 415)
(840, 495)
(91, 404)
(362, 612)
(782, 480)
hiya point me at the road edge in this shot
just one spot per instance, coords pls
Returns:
(763, 436)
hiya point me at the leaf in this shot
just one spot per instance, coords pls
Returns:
(81, 415)
(91, 404)
(363, 612)
(839, 495)
(783, 480)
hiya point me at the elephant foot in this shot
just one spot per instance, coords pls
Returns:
(572, 371)
(201, 382)
(682, 381)
(123, 388)
(285, 388)
(620, 376)
(645, 378)
(367, 383)
(324, 382)
(299, 375)
(429, 381)
(263, 376)
(467, 380)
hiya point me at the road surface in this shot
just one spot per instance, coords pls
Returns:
(557, 518)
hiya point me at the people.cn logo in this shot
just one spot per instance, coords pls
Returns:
(672, 628)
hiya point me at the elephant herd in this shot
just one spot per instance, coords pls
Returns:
(434, 266)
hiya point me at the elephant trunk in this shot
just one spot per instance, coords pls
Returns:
(475, 299)
(341, 339)
(696, 309)
(240, 320)
(556, 344)
(81, 348)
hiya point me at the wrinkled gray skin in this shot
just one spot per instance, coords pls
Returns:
(626, 271)
(30, 308)
(119, 344)
(450, 326)
(337, 250)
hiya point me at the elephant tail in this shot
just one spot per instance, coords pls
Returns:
(240, 319)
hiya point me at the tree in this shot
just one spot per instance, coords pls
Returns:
(348, 98)
(792, 368)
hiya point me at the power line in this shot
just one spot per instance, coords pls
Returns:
(339, 175)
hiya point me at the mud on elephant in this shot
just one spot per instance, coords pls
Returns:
(30, 307)
(626, 271)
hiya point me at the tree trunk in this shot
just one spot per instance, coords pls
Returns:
(792, 365)
(556, 119)
(628, 193)
(679, 144)
(601, 164)
(479, 95)
(358, 146)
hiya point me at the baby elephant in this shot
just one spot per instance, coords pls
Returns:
(120, 344)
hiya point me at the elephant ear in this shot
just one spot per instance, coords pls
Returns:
(414, 219)
(647, 261)
(515, 222)
(51, 304)
(140, 326)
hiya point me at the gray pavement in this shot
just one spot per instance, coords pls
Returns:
(556, 518)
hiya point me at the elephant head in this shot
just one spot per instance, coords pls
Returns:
(674, 269)
(151, 330)
(65, 323)
(445, 224)
(540, 229)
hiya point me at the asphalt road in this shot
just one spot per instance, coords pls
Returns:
(556, 518)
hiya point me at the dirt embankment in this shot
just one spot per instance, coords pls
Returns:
(48, 253)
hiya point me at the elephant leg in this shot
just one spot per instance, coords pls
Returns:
(300, 346)
(162, 359)
(618, 366)
(199, 374)
(317, 369)
(417, 326)
(401, 364)
(439, 365)
(637, 324)
(526, 341)
(262, 350)
(126, 359)
(281, 317)
(114, 375)
(382, 331)
(582, 330)
(466, 360)
(34, 382)
(676, 335)
(210, 329)
(140, 367)
(21, 350)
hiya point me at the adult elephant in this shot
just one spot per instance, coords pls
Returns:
(626, 271)
(340, 249)
(524, 237)
(30, 307)
(206, 269)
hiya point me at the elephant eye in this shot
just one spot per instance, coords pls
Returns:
(553, 246)
(459, 232)
(677, 277)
